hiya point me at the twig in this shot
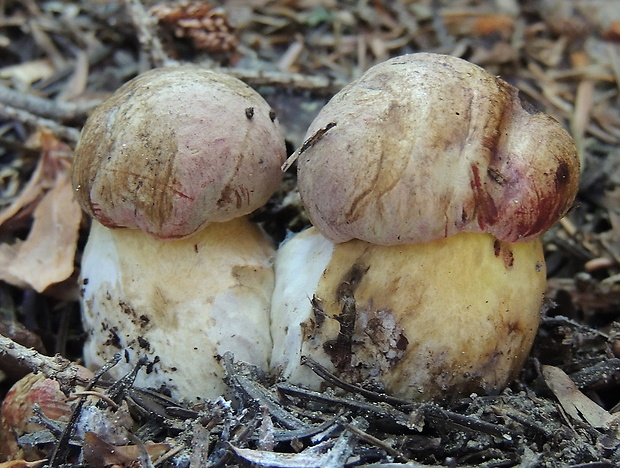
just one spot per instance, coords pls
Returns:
(289, 435)
(600, 374)
(373, 440)
(96, 394)
(58, 368)
(561, 320)
(343, 448)
(320, 133)
(317, 84)
(260, 395)
(384, 412)
(169, 454)
(121, 387)
(54, 427)
(431, 411)
(439, 416)
(94, 57)
(331, 378)
(62, 447)
(68, 133)
(47, 108)
(149, 42)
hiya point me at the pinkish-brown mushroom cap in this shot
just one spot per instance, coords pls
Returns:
(423, 146)
(175, 149)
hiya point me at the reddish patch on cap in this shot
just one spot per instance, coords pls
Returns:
(486, 210)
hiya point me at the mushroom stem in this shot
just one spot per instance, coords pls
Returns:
(181, 303)
(425, 321)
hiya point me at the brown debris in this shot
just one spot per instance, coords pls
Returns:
(206, 26)
(575, 403)
(100, 454)
(46, 256)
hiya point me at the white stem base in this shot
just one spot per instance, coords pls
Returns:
(180, 303)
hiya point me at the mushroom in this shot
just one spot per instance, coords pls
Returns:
(173, 271)
(428, 182)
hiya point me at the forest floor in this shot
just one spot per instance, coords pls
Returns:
(61, 58)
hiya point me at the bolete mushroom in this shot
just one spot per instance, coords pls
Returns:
(429, 182)
(173, 270)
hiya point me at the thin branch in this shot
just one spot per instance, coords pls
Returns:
(47, 108)
(317, 84)
(57, 367)
(373, 440)
(149, 40)
(307, 144)
(61, 450)
(67, 133)
(331, 378)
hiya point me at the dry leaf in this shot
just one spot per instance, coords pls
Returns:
(76, 85)
(23, 464)
(575, 403)
(8, 252)
(46, 257)
(18, 409)
(26, 73)
(480, 24)
(308, 458)
(100, 454)
(55, 159)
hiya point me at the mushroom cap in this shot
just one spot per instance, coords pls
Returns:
(425, 146)
(175, 149)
